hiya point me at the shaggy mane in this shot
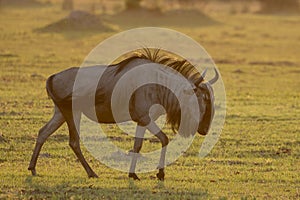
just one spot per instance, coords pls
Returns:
(170, 60)
(182, 66)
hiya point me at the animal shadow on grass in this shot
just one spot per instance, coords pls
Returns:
(38, 187)
(132, 185)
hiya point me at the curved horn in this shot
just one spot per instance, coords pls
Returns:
(214, 79)
(197, 82)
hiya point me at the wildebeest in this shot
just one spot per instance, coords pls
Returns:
(60, 89)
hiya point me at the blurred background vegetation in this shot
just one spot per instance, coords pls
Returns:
(104, 15)
(113, 6)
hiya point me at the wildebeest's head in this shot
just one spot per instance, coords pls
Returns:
(205, 96)
(202, 89)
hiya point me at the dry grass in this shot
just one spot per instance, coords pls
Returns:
(257, 155)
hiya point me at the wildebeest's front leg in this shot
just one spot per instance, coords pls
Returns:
(56, 121)
(138, 142)
(154, 129)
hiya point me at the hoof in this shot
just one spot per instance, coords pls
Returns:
(93, 176)
(33, 171)
(134, 176)
(160, 175)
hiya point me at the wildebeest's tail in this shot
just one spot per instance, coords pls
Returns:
(49, 88)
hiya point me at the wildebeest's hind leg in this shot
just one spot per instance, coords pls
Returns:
(56, 121)
(138, 142)
(73, 121)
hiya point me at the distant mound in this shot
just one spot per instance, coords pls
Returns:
(77, 21)
(155, 17)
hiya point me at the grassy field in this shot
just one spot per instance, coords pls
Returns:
(256, 157)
